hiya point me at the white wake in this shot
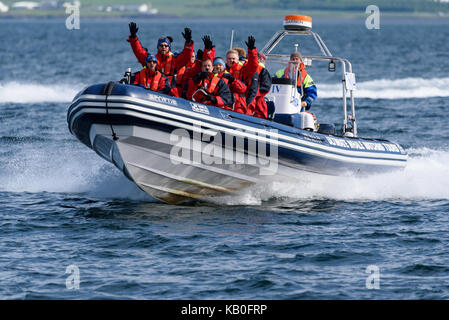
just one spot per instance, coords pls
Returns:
(16, 92)
(406, 88)
(65, 170)
(426, 176)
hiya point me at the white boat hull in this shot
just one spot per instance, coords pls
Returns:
(176, 150)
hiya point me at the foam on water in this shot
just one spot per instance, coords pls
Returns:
(426, 176)
(16, 92)
(66, 170)
(405, 88)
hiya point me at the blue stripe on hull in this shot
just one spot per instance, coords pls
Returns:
(300, 136)
(293, 158)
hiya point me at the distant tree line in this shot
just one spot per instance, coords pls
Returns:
(347, 5)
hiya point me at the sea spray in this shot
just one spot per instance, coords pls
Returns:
(75, 170)
(65, 168)
(426, 177)
(405, 88)
(16, 92)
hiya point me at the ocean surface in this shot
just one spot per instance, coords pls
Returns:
(64, 209)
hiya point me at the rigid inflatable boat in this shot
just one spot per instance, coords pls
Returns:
(177, 150)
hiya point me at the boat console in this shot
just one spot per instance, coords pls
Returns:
(285, 97)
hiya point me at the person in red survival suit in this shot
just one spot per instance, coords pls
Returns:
(168, 64)
(205, 88)
(181, 77)
(261, 109)
(253, 70)
(237, 87)
(207, 53)
(150, 78)
(194, 66)
(245, 71)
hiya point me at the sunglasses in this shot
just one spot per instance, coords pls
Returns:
(164, 45)
(152, 61)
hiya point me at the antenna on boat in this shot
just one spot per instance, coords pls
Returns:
(296, 47)
(232, 39)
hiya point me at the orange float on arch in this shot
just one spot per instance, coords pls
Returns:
(297, 22)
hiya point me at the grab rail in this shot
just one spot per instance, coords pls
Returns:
(327, 55)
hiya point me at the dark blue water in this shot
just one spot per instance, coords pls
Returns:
(61, 205)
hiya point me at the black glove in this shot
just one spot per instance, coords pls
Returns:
(251, 42)
(211, 99)
(204, 75)
(200, 76)
(187, 34)
(228, 76)
(133, 29)
(207, 43)
(199, 55)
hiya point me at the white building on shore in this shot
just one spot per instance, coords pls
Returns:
(3, 7)
(140, 8)
(25, 5)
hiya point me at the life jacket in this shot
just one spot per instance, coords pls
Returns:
(144, 79)
(220, 75)
(209, 88)
(239, 98)
(226, 80)
(155, 81)
(302, 68)
(180, 76)
(178, 81)
(166, 63)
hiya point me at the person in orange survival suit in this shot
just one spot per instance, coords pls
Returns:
(245, 71)
(259, 81)
(181, 77)
(150, 78)
(168, 64)
(185, 74)
(237, 87)
(261, 109)
(205, 88)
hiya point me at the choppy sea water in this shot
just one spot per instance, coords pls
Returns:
(61, 205)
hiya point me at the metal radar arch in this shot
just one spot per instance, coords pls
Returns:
(301, 26)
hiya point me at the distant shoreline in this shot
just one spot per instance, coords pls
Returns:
(261, 14)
